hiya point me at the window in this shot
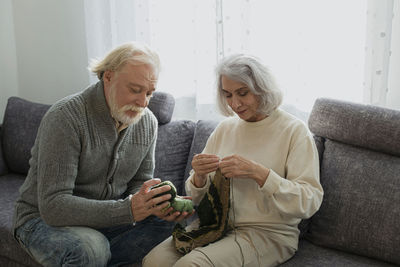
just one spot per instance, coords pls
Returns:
(315, 48)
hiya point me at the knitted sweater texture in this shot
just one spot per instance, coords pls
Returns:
(81, 170)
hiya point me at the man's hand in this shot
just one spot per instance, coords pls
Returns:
(143, 204)
(176, 216)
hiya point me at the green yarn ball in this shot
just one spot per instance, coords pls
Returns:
(172, 191)
(178, 203)
(182, 204)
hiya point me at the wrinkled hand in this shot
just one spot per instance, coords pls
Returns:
(143, 204)
(176, 216)
(235, 166)
(202, 165)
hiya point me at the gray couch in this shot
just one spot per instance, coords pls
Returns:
(359, 147)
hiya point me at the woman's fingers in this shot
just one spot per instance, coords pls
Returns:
(205, 163)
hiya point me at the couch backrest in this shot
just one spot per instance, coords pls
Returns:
(203, 130)
(172, 151)
(3, 165)
(20, 126)
(360, 174)
(22, 119)
(360, 125)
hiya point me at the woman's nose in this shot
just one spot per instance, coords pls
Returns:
(235, 102)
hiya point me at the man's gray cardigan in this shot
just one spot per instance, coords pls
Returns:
(81, 170)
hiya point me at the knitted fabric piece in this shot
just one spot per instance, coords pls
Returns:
(213, 215)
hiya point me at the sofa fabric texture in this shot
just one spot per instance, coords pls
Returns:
(311, 255)
(359, 152)
(360, 174)
(366, 126)
(360, 212)
(3, 165)
(172, 151)
(162, 106)
(20, 126)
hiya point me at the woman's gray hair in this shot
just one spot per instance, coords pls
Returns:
(132, 52)
(256, 76)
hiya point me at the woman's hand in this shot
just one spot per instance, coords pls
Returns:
(202, 165)
(236, 166)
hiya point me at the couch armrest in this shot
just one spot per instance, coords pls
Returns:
(3, 166)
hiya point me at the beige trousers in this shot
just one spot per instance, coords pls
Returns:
(251, 248)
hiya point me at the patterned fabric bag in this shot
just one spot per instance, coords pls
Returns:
(213, 216)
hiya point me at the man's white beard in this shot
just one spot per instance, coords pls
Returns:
(119, 113)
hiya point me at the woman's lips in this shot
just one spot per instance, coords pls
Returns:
(241, 112)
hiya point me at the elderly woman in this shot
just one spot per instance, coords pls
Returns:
(272, 161)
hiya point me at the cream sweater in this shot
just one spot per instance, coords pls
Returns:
(292, 190)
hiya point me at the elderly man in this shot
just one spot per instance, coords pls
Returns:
(86, 200)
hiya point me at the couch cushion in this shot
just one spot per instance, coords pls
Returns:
(203, 130)
(21, 122)
(162, 105)
(172, 151)
(360, 212)
(310, 255)
(9, 248)
(361, 125)
(3, 165)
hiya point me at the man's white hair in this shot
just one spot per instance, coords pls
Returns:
(133, 52)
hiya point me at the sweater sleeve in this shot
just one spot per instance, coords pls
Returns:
(59, 149)
(300, 193)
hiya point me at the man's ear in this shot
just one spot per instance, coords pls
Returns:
(107, 76)
(107, 80)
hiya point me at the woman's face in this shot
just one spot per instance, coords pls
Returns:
(241, 100)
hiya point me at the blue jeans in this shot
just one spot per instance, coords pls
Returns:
(84, 246)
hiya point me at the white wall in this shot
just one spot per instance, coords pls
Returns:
(51, 48)
(8, 58)
(46, 45)
(43, 52)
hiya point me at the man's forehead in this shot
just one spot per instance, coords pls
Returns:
(144, 71)
(151, 77)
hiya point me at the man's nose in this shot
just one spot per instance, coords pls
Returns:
(142, 101)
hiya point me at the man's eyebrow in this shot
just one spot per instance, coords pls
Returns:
(131, 84)
(135, 84)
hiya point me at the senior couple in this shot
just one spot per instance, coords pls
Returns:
(87, 201)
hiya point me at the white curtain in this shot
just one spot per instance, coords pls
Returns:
(316, 48)
(382, 66)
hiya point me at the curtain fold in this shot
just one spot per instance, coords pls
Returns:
(377, 51)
